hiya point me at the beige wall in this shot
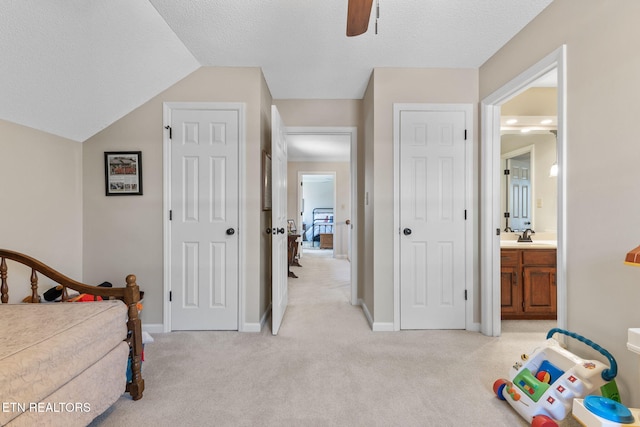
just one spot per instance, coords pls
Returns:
(41, 201)
(342, 210)
(536, 101)
(395, 85)
(124, 235)
(602, 162)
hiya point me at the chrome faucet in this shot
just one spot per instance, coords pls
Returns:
(526, 235)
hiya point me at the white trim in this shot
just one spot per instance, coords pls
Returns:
(366, 312)
(375, 326)
(467, 109)
(353, 132)
(153, 328)
(490, 190)
(242, 207)
(257, 327)
(383, 327)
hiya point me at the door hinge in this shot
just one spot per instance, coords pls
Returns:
(465, 214)
(497, 231)
(465, 295)
(507, 172)
(170, 296)
(170, 215)
(465, 134)
(170, 131)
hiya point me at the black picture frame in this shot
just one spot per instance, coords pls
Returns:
(123, 173)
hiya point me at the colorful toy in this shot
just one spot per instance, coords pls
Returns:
(543, 385)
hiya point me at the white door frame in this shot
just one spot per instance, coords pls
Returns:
(352, 132)
(166, 202)
(470, 126)
(490, 191)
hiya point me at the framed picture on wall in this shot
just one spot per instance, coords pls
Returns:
(266, 181)
(123, 173)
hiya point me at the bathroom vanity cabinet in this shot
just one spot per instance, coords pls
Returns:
(528, 283)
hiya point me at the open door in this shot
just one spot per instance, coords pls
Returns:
(279, 286)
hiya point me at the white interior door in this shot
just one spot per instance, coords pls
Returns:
(519, 179)
(279, 271)
(204, 219)
(432, 219)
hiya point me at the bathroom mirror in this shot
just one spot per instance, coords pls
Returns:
(529, 194)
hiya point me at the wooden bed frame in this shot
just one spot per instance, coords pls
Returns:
(130, 295)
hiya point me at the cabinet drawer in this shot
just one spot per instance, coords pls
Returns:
(539, 257)
(509, 257)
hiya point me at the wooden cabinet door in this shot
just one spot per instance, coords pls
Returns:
(540, 291)
(510, 292)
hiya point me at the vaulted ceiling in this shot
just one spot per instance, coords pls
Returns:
(73, 67)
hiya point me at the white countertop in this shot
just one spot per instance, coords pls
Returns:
(535, 244)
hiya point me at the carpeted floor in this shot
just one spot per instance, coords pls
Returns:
(327, 368)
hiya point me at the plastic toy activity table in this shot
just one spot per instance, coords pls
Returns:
(542, 386)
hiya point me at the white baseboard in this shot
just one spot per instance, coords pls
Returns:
(383, 327)
(365, 310)
(341, 256)
(251, 327)
(257, 327)
(474, 327)
(158, 328)
(153, 328)
(375, 326)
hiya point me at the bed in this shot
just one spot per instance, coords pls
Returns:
(321, 228)
(64, 363)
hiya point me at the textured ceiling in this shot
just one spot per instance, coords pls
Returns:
(72, 68)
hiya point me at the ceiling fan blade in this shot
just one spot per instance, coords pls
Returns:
(358, 14)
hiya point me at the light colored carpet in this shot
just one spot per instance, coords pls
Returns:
(326, 368)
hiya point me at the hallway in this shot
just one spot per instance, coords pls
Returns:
(319, 297)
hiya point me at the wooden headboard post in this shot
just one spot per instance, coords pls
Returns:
(4, 288)
(131, 298)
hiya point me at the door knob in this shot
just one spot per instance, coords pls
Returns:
(268, 230)
(230, 231)
(406, 231)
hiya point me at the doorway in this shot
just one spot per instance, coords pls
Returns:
(328, 151)
(492, 222)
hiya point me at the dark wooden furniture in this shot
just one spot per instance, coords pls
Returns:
(326, 241)
(292, 249)
(322, 225)
(130, 295)
(528, 283)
